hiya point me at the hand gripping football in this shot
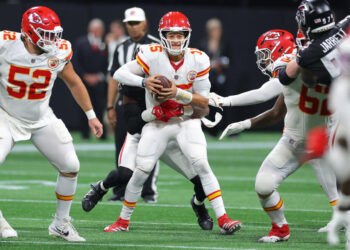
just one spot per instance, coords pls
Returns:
(164, 82)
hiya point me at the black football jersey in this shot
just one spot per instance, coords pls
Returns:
(320, 56)
(126, 52)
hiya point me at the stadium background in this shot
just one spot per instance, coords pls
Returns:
(243, 22)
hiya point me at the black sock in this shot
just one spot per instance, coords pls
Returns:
(116, 177)
(198, 188)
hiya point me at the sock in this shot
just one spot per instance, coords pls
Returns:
(119, 176)
(197, 202)
(274, 207)
(198, 189)
(103, 187)
(133, 193)
(65, 190)
(212, 190)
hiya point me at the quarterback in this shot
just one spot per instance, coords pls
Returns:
(188, 71)
(30, 61)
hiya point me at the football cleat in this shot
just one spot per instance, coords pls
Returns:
(93, 197)
(228, 226)
(6, 231)
(276, 234)
(64, 229)
(204, 220)
(119, 225)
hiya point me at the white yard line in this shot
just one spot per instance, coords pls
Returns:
(163, 205)
(110, 245)
(111, 147)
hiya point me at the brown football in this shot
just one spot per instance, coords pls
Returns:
(164, 82)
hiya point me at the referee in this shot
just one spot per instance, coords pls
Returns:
(126, 115)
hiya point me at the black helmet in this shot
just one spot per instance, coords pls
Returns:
(314, 16)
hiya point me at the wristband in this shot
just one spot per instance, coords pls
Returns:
(247, 124)
(109, 108)
(184, 96)
(90, 114)
(143, 83)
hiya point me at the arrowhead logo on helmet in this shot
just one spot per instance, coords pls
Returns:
(42, 27)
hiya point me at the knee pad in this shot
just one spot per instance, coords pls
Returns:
(201, 166)
(145, 164)
(70, 164)
(265, 183)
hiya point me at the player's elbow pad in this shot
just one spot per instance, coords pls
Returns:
(284, 78)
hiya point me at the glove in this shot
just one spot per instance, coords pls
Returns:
(235, 128)
(163, 112)
(211, 124)
(218, 101)
(281, 63)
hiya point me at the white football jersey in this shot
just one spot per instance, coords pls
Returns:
(306, 108)
(26, 79)
(194, 66)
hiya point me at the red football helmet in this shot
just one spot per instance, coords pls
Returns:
(301, 40)
(270, 46)
(42, 27)
(174, 22)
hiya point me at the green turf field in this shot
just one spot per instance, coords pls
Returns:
(27, 199)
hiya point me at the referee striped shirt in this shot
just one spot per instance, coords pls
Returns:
(127, 50)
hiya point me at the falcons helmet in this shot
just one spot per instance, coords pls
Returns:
(314, 16)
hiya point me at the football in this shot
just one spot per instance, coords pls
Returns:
(164, 82)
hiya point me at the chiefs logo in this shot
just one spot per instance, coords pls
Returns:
(191, 76)
(35, 18)
(53, 62)
(273, 36)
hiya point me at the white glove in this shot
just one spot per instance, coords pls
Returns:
(339, 220)
(218, 101)
(235, 128)
(211, 124)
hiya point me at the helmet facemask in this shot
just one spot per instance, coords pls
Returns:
(167, 44)
(264, 60)
(49, 40)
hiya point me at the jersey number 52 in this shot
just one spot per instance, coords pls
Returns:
(35, 90)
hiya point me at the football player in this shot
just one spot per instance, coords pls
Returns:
(30, 62)
(339, 155)
(188, 71)
(299, 118)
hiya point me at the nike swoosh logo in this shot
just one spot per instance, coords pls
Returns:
(61, 231)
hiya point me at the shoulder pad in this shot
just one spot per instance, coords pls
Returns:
(146, 54)
(8, 36)
(65, 51)
(202, 62)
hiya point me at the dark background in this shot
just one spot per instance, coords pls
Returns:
(243, 22)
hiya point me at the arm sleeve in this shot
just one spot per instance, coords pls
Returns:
(202, 87)
(130, 74)
(267, 91)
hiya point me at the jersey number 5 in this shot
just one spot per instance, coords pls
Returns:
(311, 105)
(36, 91)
